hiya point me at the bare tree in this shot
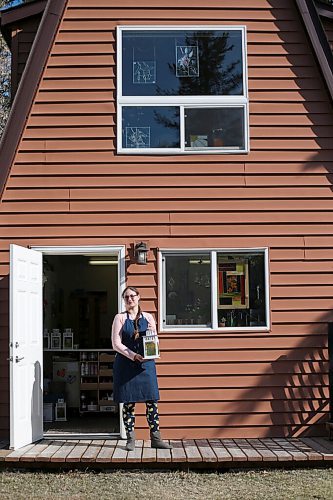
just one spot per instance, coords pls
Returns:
(5, 63)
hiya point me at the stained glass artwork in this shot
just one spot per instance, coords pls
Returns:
(137, 137)
(144, 72)
(187, 61)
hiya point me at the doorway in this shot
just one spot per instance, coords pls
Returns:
(80, 300)
(29, 367)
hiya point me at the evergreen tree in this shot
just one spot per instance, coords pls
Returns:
(218, 73)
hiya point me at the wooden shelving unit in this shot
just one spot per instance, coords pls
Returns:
(96, 382)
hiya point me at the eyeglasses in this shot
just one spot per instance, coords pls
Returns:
(127, 297)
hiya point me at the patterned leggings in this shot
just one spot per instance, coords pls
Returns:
(151, 415)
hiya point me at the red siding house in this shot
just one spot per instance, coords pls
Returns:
(200, 133)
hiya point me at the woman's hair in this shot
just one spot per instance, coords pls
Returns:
(136, 320)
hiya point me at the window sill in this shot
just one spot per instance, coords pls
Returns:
(170, 152)
(236, 329)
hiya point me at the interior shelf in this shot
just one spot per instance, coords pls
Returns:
(96, 382)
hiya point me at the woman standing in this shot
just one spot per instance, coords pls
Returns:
(134, 379)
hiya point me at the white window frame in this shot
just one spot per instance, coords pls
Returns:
(214, 316)
(182, 101)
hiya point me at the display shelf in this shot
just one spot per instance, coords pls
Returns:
(85, 386)
(79, 350)
(96, 382)
(105, 372)
(106, 357)
(105, 386)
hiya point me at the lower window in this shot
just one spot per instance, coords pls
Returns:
(215, 289)
(206, 129)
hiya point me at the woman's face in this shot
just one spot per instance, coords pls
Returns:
(131, 298)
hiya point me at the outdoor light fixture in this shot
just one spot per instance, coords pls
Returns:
(140, 252)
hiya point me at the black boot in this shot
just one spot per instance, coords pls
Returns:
(157, 442)
(130, 445)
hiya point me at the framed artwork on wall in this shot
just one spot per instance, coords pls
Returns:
(233, 284)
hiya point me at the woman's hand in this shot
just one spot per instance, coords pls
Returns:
(139, 358)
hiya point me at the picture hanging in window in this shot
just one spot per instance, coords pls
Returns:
(187, 61)
(199, 141)
(233, 284)
(137, 137)
(144, 72)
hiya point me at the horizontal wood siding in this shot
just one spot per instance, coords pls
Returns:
(69, 187)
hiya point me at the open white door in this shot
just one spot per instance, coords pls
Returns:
(26, 346)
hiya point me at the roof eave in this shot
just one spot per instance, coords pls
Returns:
(318, 40)
(28, 86)
(18, 13)
(324, 10)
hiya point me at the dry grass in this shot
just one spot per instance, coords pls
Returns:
(262, 484)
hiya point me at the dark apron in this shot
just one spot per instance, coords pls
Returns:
(133, 381)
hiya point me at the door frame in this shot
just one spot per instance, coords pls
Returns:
(92, 250)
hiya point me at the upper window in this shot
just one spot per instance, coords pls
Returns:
(182, 90)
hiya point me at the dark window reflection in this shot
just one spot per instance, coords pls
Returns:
(188, 290)
(214, 128)
(182, 63)
(150, 127)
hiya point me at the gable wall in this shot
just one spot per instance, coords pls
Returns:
(68, 186)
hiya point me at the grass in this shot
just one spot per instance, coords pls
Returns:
(297, 484)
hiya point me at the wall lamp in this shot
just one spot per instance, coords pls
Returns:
(140, 252)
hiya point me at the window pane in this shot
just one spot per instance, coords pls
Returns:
(241, 290)
(150, 127)
(214, 128)
(188, 290)
(182, 62)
